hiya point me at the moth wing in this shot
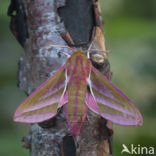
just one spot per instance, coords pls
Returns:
(109, 102)
(42, 104)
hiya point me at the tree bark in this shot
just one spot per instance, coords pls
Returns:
(36, 25)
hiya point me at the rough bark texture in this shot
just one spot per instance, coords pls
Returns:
(59, 22)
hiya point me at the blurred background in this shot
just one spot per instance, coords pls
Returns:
(130, 32)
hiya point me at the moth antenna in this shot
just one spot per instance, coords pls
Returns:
(88, 55)
(92, 50)
(65, 54)
(61, 46)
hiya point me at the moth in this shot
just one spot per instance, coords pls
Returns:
(78, 86)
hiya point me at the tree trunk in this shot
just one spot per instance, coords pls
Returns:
(36, 25)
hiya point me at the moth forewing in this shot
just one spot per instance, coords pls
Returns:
(42, 104)
(112, 103)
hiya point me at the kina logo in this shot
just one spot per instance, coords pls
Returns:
(138, 150)
(125, 149)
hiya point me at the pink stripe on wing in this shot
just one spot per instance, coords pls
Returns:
(35, 118)
(91, 103)
(63, 100)
(122, 120)
(40, 105)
